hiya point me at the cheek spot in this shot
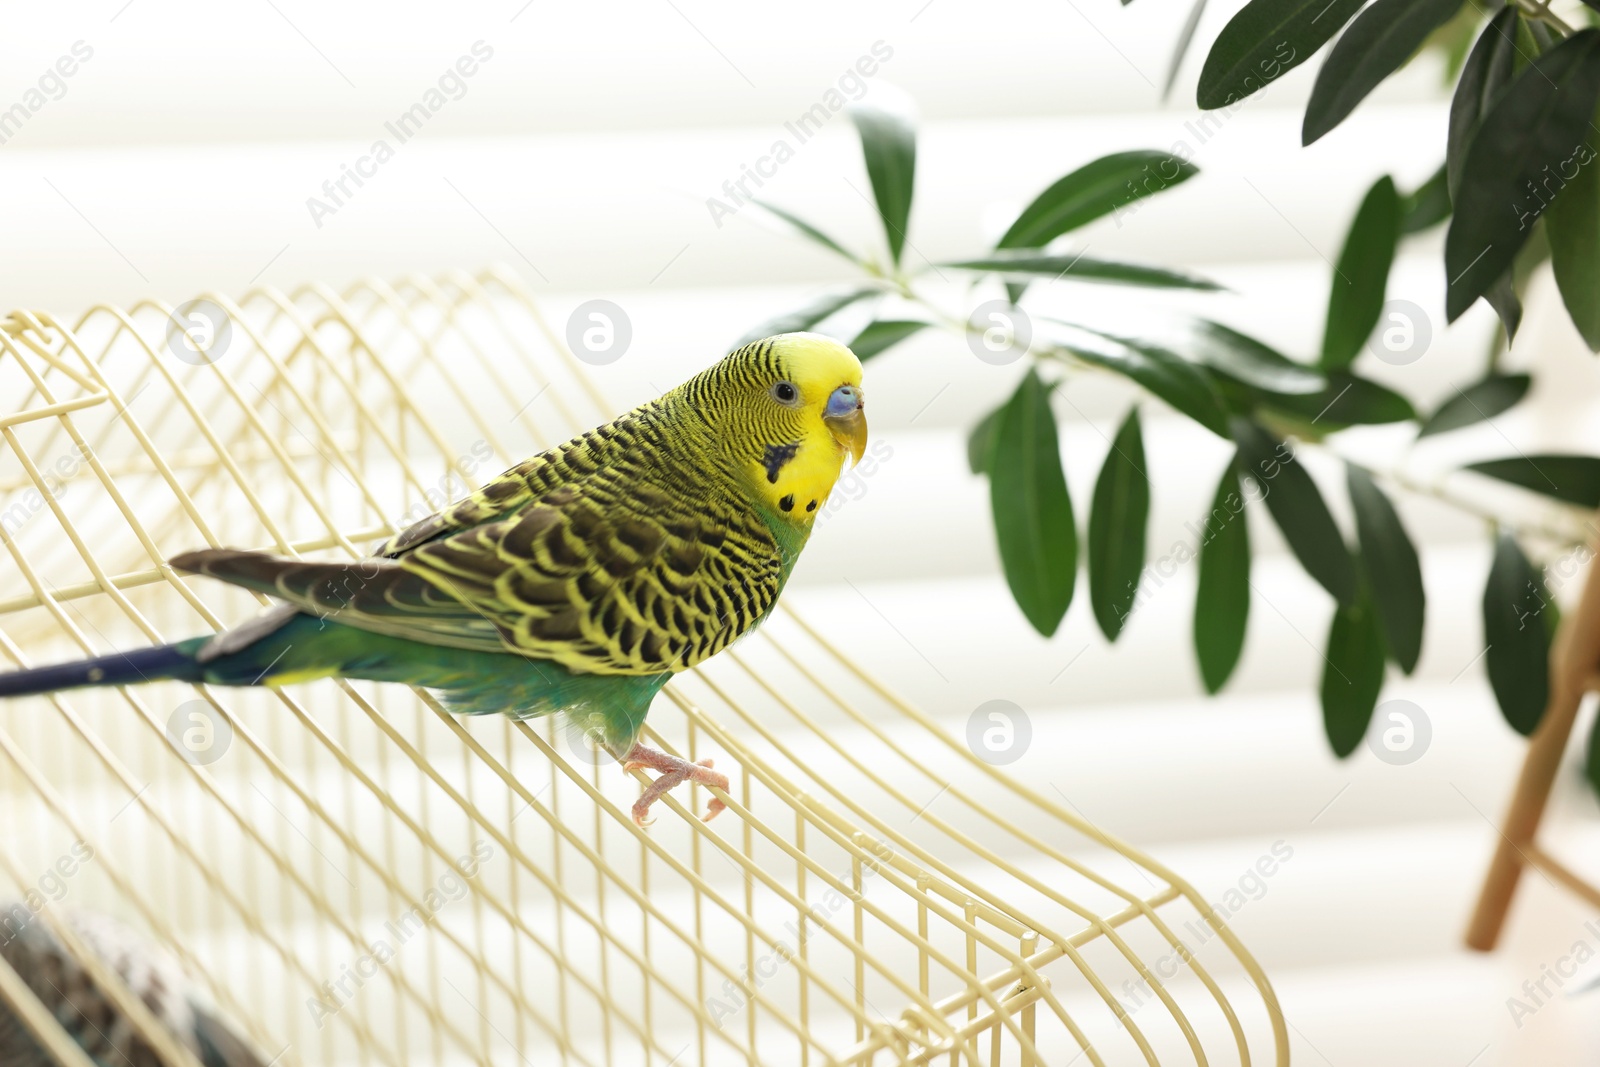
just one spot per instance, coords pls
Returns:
(811, 506)
(775, 458)
(787, 503)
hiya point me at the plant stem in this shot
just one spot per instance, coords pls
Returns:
(1540, 10)
(966, 327)
(1565, 538)
(1402, 479)
(1497, 348)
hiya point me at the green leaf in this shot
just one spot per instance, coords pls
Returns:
(980, 441)
(1381, 38)
(1362, 275)
(1531, 256)
(1245, 359)
(1543, 37)
(889, 144)
(810, 231)
(1573, 228)
(1394, 575)
(1539, 122)
(1077, 268)
(803, 318)
(1298, 509)
(1222, 602)
(1518, 655)
(1032, 512)
(1352, 675)
(1502, 297)
(1181, 48)
(883, 334)
(1486, 73)
(1157, 369)
(1094, 189)
(1427, 205)
(1479, 401)
(1265, 40)
(1574, 479)
(1591, 763)
(1348, 400)
(1118, 519)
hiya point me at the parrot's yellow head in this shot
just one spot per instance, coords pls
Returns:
(787, 409)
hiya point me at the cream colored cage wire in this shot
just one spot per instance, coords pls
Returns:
(310, 876)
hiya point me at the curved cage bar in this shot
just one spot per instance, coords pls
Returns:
(355, 876)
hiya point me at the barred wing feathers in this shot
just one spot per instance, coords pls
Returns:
(603, 555)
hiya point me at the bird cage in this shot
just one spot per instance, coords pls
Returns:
(353, 876)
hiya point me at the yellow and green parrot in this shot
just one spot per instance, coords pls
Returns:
(578, 581)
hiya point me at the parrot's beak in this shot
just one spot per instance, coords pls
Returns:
(850, 430)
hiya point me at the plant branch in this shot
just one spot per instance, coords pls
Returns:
(1399, 478)
(1404, 480)
(1570, 538)
(1540, 11)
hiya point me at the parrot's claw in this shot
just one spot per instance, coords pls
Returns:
(674, 771)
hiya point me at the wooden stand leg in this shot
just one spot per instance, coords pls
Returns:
(1574, 661)
(1539, 768)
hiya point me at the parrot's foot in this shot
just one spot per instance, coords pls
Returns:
(674, 772)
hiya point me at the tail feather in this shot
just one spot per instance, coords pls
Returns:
(284, 646)
(367, 586)
(120, 668)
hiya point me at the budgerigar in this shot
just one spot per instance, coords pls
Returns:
(91, 1017)
(578, 581)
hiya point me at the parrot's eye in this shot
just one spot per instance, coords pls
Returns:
(785, 393)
